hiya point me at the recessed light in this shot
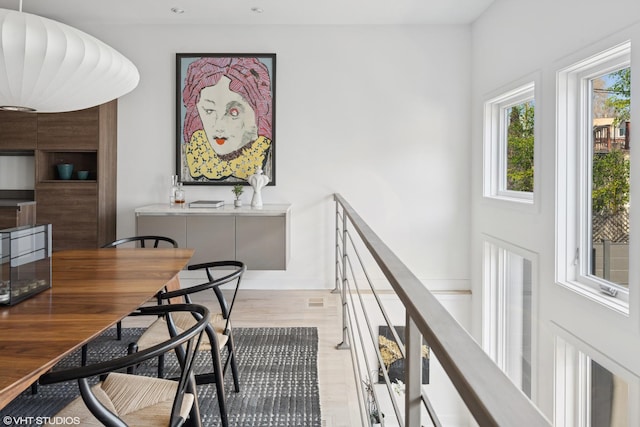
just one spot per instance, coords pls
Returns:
(257, 9)
(177, 10)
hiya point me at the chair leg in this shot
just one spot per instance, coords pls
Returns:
(83, 355)
(132, 348)
(222, 399)
(195, 419)
(161, 366)
(119, 330)
(234, 366)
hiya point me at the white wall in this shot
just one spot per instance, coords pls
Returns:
(378, 114)
(17, 172)
(515, 40)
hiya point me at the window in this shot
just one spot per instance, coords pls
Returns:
(587, 393)
(507, 300)
(594, 165)
(509, 145)
(622, 131)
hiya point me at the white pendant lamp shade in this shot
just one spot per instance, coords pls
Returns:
(47, 66)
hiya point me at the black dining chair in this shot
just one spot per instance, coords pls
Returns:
(148, 241)
(142, 242)
(218, 333)
(121, 399)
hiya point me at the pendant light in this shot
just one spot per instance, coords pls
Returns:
(47, 66)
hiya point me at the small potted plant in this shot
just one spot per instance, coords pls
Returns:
(375, 415)
(237, 191)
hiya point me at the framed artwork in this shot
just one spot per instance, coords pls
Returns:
(225, 108)
(392, 358)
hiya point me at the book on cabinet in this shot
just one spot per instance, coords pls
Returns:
(206, 204)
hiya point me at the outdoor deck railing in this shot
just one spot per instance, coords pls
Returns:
(489, 395)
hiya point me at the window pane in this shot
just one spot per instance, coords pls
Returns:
(508, 330)
(587, 394)
(520, 120)
(509, 145)
(609, 398)
(610, 185)
(518, 322)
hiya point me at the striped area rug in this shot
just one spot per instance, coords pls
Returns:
(278, 379)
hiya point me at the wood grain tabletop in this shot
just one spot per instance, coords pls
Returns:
(91, 291)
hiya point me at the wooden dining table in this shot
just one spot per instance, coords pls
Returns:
(91, 291)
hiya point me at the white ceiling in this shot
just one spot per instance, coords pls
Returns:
(83, 13)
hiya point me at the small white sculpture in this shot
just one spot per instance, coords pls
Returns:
(257, 181)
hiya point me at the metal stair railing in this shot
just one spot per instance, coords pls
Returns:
(489, 395)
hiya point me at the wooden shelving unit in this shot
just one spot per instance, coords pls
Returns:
(82, 212)
(81, 160)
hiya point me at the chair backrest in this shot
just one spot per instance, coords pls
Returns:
(143, 242)
(230, 272)
(184, 344)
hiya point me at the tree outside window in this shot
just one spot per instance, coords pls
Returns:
(520, 143)
(509, 145)
(610, 176)
(592, 183)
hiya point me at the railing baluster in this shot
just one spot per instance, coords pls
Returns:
(344, 345)
(490, 396)
(337, 286)
(412, 373)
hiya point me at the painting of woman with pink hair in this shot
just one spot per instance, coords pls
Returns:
(226, 118)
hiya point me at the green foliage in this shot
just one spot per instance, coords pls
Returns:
(620, 98)
(610, 191)
(610, 188)
(520, 143)
(237, 190)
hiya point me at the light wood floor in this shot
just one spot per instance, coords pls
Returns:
(255, 308)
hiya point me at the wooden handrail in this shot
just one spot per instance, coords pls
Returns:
(491, 397)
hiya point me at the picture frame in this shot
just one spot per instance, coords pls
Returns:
(225, 117)
(394, 362)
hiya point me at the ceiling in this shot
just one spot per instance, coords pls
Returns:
(84, 13)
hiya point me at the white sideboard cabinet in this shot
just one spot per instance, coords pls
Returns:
(259, 237)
